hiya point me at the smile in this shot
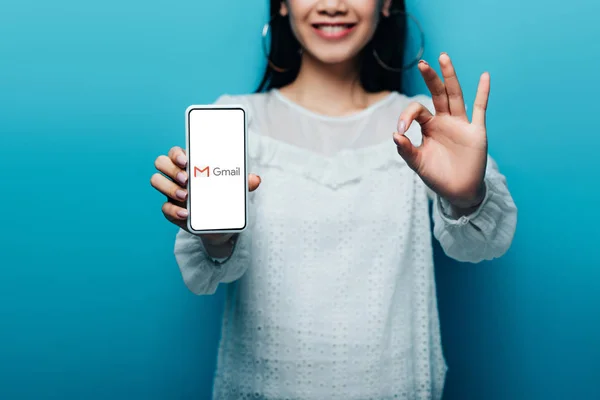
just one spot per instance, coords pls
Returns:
(333, 31)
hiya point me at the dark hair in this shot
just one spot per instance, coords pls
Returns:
(389, 41)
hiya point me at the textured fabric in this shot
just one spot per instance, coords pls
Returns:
(335, 293)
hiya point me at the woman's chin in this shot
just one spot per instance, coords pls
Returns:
(334, 60)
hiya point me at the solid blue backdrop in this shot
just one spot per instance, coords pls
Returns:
(91, 301)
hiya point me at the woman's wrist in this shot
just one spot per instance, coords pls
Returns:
(219, 246)
(216, 239)
(470, 206)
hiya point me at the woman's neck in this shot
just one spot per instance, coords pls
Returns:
(328, 89)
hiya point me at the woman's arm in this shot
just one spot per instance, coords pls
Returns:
(205, 263)
(204, 266)
(482, 233)
(474, 214)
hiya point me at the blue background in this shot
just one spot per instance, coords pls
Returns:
(91, 301)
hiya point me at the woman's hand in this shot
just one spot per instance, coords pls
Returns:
(173, 184)
(453, 155)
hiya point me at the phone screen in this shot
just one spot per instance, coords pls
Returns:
(217, 187)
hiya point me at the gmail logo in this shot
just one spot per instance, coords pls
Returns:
(217, 171)
(205, 170)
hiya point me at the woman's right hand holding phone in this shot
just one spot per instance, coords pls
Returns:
(171, 180)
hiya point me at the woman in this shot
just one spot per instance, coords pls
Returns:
(335, 286)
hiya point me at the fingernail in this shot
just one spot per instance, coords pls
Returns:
(443, 53)
(423, 62)
(182, 213)
(181, 160)
(401, 126)
(180, 194)
(181, 177)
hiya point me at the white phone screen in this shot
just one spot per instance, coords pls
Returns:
(217, 187)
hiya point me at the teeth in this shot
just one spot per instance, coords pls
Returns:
(332, 28)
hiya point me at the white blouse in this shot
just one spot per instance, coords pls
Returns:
(334, 284)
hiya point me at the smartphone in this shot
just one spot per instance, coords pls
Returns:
(217, 162)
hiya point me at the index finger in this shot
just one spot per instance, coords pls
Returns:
(415, 111)
(178, 156)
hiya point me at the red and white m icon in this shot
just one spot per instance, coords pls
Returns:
(201, 171)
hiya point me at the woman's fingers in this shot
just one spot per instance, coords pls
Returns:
(168, 187)
(436, 88)
(410, 153)
(481, 100)
(456, 101)
(415, 111)
(166, 165)
(175, 214)
(178, 156)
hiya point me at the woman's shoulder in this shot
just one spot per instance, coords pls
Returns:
(256, 105)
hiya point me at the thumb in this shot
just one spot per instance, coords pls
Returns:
(253, 182)
(407, 150)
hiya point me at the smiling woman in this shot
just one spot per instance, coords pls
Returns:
(334, 293)
(357, 31)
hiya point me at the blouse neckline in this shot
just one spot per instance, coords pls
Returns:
(334, 171)
(342, 118)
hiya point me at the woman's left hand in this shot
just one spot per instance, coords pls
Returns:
(453, 155)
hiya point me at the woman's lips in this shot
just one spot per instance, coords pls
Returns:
(333, 31)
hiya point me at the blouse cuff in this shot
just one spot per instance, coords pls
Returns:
(229, 268)
(202, 273)
(448, 215)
